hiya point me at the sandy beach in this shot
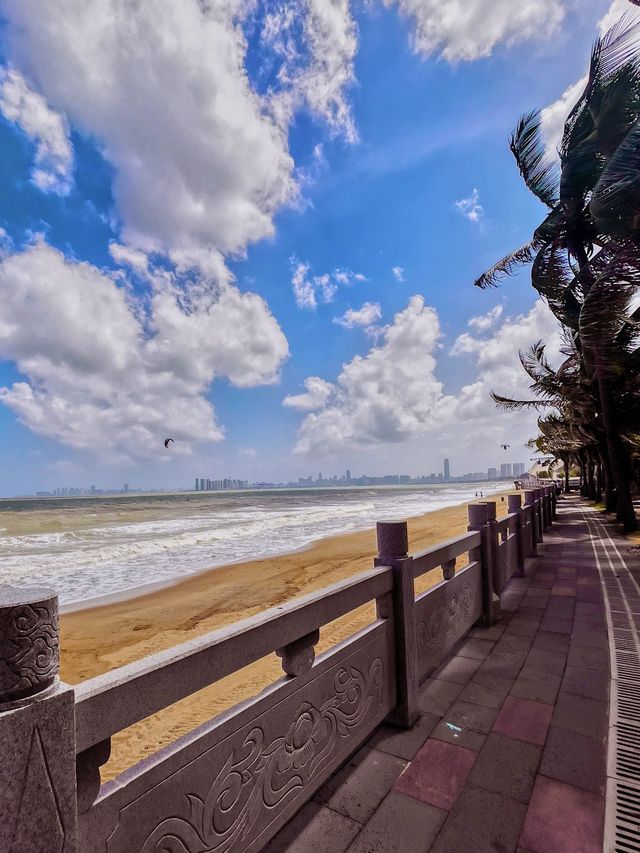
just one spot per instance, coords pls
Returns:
(99, 639)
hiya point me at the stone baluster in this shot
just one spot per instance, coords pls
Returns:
(515, 507)
(37, 728)
(393, 546)
(479, 520)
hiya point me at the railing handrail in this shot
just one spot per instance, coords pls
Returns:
(431, 558)
(111, 702)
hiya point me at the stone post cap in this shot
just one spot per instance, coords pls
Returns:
(29, 642)
(514, 502)
(492, 513)
(478, 514)
(393, 539)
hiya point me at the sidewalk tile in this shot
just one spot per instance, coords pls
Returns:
(506, 766)
(524, 720)
(563, 819)
(481, 822)
(399, 825)
(437, 774)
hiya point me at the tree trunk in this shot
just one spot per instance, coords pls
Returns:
(566, 460)
(620, 463)
(598, 478)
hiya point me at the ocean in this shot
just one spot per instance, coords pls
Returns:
(88, 548)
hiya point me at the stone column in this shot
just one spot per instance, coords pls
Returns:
(530, 500)
(37, 728)
(479, 520)
(393, 546)
(515, 507)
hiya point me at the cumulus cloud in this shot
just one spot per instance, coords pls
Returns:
(316, 41)
(486, 321)
(309, 290)
(111, 372)
(20, 104)
(200, 157)
(471, 29)
(392, 394)
(316, 396)
(471, 208)
(363, 317)
(386, 395)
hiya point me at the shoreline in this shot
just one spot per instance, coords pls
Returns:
(98, 639)
(142, 590)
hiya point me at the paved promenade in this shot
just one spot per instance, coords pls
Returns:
(509, 753)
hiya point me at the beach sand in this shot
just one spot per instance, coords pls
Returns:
(99, 639)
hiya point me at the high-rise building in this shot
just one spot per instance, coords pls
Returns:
(197, 485)
(447, 472)
(518, 469)
(202, 484)
(348, 476)
(505, 469)
(492, 473)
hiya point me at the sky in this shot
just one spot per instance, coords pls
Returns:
(255, 227)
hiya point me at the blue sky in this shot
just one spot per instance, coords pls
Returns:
(203, 211)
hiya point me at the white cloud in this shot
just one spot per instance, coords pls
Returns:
(368, 315)
(398, 273)
(386, 395)
(471, 208)
(48, 129)
(200, 158)
(111, 372)
(247, 452)
(316, 41)
(392, 394)
(309, 290)
(317, 394)
(554, 116)
(486, 321)
(471, 29)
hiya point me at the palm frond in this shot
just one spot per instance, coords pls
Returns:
(508, 265)
(539, 168)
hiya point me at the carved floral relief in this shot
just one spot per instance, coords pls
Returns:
(261, 775)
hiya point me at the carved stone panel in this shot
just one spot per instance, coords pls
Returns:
(444, 614)
(509, 564)
(231, 789)
(37, 776)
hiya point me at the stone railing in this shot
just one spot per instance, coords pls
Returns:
(230, 784)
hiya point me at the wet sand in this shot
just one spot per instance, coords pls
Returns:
(99, 639)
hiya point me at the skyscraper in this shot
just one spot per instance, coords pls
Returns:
(197, 485)
(447, 473)
(518, 469)
(348, 476)
(492, 473)
(505, 469)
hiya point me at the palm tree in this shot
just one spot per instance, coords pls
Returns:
(585, 255)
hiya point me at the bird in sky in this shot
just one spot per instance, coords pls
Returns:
(505, 446)
(167, 441)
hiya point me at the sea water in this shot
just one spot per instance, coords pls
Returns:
(87, 548)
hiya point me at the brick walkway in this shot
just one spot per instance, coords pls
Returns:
(509, 753)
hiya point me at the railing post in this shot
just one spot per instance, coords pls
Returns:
(393, 545)
(547, 507)
(515, 506)
(538, 506)
(530, 500)
(494, 538)
(38, 810)
(479, 520)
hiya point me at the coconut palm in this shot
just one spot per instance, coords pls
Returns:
(585, 255)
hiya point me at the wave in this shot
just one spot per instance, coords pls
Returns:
(98, 558)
